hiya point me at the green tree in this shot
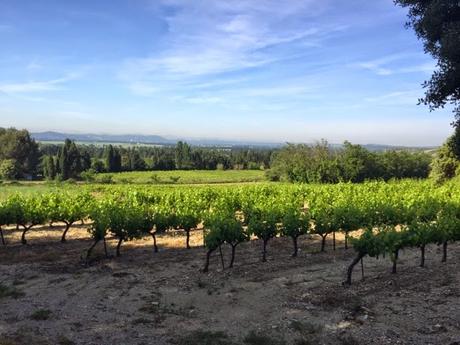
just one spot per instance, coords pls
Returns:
(9, 169)
(437, 24)
(445, 163)
(19, 146)
(183, 156)
(69, 161)
(295, 224)
(112, 159)
(357, 163)
(49, 168)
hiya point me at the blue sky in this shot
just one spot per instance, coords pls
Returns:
(261, 70)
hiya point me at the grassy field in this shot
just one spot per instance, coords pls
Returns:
(164, 179)
(187, 176)
(29, 188)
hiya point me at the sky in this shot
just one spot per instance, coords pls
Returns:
(253, 70)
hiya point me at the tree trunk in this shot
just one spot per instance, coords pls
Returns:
(422, 260)
(155, 247)
(88, 253)
(233, 255)
(1, 235)
(323, 242)
(67, 227)
(264, 251)
(187, 232)
(118, 246)
(105, 248)
(362, 269)
(444, 251)
(221, 257)
(208, 255)
(352, 265)
(333, 240)
(23, 236)
(296, 249)
(395, 261)
(346, 240)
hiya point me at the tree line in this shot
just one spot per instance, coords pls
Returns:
(320, 163)
(22, 157)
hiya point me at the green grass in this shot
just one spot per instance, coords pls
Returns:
(31, 188)
(144, 179)
(187, 176)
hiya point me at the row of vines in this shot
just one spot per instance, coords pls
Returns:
(377, 218)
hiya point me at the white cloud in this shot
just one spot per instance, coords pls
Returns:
(32, 86)
(38, 86)
(406, 63)
(206, 39)
(406, 97)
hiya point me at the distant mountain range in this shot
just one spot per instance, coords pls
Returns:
(102, 138)
(137, 139)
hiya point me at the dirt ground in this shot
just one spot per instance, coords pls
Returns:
(48, 297)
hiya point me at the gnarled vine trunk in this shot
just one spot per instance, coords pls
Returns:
(105, 248)
(67, 227)
(444, 251)
(208, 256)
(395, 261)
(233, 255)
(88, 253)
(1, 235)
(264, 251)
(296, 248)
(23, 236)
(187, 232)
(155, 247)
(323, 242)
(352, 265)
(120, 241)
(422, 259)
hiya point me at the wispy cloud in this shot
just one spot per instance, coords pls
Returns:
(396, 64)
(396, 98)
(37, 86)
(228, 37)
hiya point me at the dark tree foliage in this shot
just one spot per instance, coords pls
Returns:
(112, 159)
(437, 24)
(49, 167)
(85, 160)
(166, 157)
(69, 161)
(183, 156)
(132, 161)
(18, 146)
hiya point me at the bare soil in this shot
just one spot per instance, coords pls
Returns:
(48, 297)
